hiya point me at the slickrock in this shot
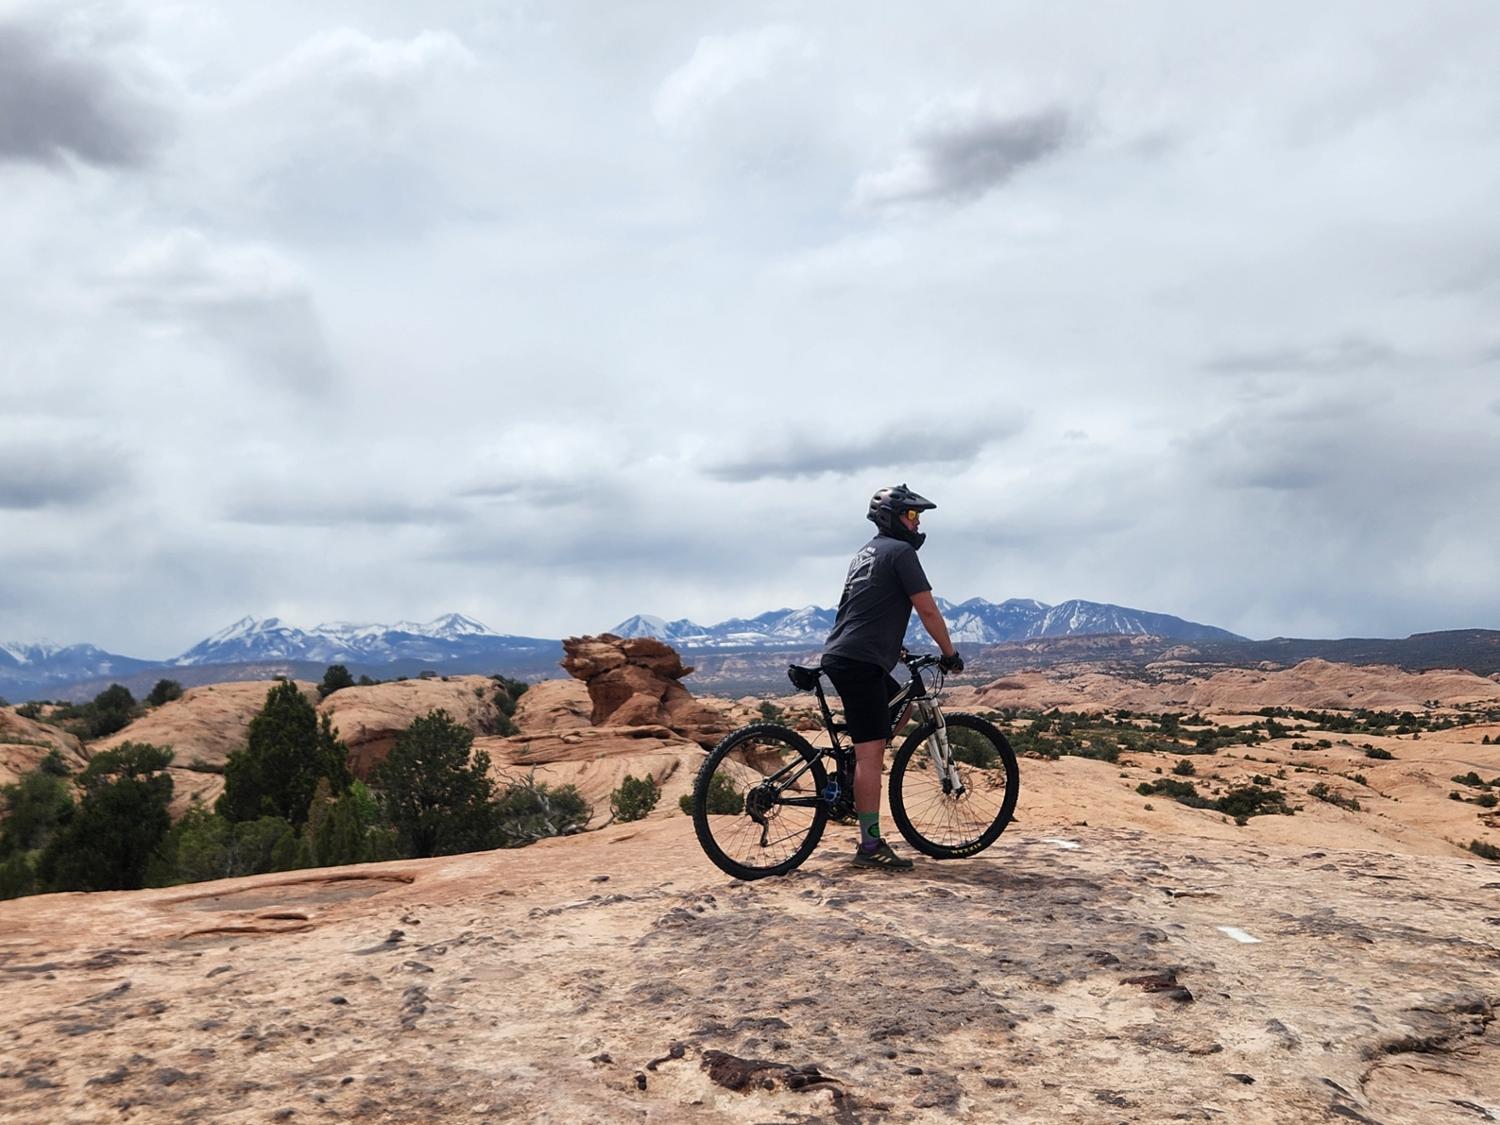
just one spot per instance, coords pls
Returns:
(635, 682)
(1069, 973)
(25, 742)
(1310, 685)
(554, 705)
(368, 719)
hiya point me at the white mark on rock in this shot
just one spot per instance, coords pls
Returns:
(1069, 844)
(1239, 935)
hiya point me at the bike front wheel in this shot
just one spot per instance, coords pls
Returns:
(959, 810)
(757, 804)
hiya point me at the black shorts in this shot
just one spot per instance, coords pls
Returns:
(865, 690)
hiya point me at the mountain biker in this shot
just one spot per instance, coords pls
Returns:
(884, 583)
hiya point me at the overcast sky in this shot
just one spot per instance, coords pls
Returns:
(552, 313)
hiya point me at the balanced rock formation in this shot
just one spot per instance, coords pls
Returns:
(635, 682)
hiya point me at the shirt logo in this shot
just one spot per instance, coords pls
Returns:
(861, 570)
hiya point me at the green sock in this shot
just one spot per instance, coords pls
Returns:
(869, 830)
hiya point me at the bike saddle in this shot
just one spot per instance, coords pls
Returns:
(803, 679)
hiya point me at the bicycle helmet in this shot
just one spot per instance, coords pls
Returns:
(886, 507)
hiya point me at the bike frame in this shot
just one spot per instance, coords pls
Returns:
(913, 695)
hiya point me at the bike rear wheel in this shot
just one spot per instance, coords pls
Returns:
(948, 821)
(757, 803)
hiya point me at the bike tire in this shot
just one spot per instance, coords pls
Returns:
(938, 823)
(749, 760)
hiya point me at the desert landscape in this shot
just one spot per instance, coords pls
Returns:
(1118, 955)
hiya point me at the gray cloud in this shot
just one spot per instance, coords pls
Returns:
(54, 102)
(34, 476)
(804, 453)
(293, 511)
(1349, 353)
(249, 299)
(964, 156)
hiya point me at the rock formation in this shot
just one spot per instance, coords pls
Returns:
(635, 682)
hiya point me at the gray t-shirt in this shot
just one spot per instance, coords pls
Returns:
(876, 606)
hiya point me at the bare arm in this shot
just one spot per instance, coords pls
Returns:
(932, 620)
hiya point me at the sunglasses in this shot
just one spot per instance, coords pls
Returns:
(913, 515)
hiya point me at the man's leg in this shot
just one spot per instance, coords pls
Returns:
(869, 758)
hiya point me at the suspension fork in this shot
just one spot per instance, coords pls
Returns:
(939, 750)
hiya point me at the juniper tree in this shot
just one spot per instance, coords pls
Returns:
(287, 750)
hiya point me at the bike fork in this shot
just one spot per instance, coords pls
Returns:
(941, 752)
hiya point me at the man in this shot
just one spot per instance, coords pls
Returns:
(885, 582)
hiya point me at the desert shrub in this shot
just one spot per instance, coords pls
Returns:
(121, 819)
(1487, 800)
(32, 710)
(347, 829)
(36, 807)
(437, 796)
(164, 692)
(203, 845)
(1378, 753)
(1470, 778)
(287, 750)
(971, 748)
(1333, 797)
(17, 875)
(635, 798)
(723, 798)
(1252, 800)
(336, 677)
(507, 693)
(1184, 768)
(1484, 850)
(1184, 792)
(771, 713)
(529, 810)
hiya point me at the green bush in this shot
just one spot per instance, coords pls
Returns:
(528, 811)
(1251, 800)
(723, 798)
(119, 823)
(1484, 850)
(635, 798)
(32, 710)
(164, 692)
(972, 748)
(1470, 778)
(1184, 768)
(36, 808)
(203, 846)
(1333, 797)
(771, 713)
(1379, 753)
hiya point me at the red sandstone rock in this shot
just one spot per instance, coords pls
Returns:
(634, 682)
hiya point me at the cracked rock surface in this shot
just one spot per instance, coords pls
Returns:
(1111, 981)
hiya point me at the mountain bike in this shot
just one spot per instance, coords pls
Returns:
(765, 793)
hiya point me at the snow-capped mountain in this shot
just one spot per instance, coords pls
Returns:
(974, 622)
(36, 667)
(449, 637)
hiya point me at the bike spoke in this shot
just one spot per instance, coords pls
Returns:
(762, 809)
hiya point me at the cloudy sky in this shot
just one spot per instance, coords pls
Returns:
(552, 313)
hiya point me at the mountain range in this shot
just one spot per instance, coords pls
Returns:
(455, 643)
(745, 653)
(974, 622)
